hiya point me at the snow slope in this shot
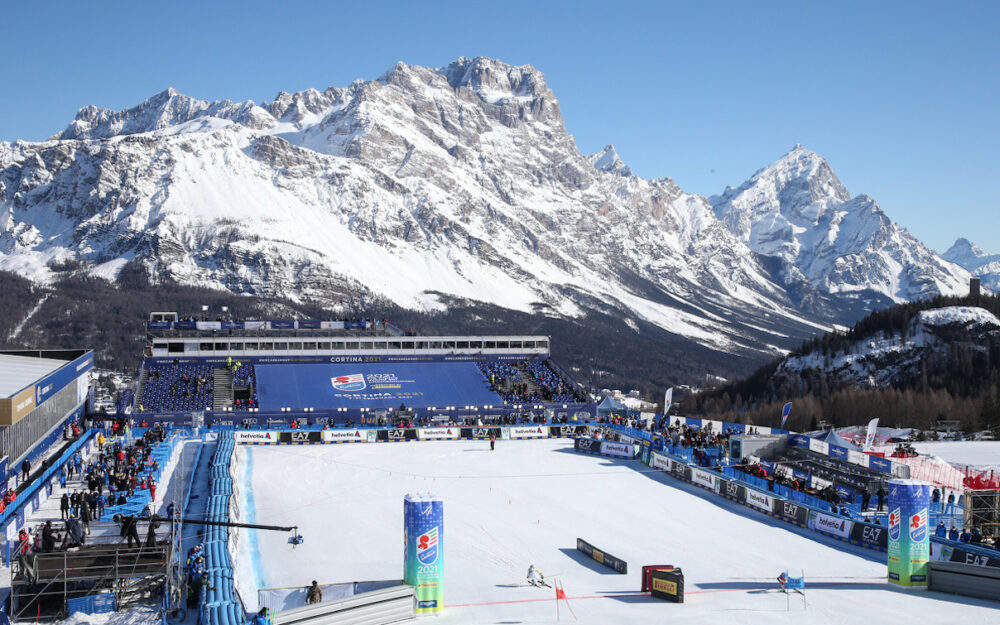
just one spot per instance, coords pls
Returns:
(526, 503)
(979, 454)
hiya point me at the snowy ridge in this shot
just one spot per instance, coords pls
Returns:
(430, 186)
(984, 266)
(797, 211)
(879, 362)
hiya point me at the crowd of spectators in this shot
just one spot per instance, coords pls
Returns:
(111, 478)
(554, 388)
(509, 381)
(177, 387)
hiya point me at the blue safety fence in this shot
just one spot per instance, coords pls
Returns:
(219, 603)
(101, 603)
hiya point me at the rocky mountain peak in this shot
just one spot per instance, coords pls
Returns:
(494, 80)
(981, 264)
(609, 161)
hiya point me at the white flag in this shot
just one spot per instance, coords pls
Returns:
(667, 400)
(870, 436)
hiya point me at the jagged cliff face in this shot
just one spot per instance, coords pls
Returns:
(428, 187)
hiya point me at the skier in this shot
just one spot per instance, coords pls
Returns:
(493, 442)
(535, 577)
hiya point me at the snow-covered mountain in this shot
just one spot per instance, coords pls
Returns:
(980, 264)
(797, 212)
(896, 360)
(433, 188)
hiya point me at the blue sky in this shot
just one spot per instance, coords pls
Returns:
(901, 98)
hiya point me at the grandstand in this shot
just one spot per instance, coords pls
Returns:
(345, 371)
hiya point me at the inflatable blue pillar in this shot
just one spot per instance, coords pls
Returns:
(423, 556)
(909, 535)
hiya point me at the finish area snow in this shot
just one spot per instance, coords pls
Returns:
(526, 503)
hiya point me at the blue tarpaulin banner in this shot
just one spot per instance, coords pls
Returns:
(372, 385)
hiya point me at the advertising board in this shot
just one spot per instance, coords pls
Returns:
(351, 435)
(705, 478)
(480, 432)
(602, 556)
(524, 431)
(255, 436)
(733, 490)
(791, 511)
(437, 433)
(312, 436)
(568, 430)
(838, 526)
(618, 450)
(397, 434)
(871, 535)
(759, 500)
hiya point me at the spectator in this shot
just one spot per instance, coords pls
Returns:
(314, 594)
(950, 508)
(953, 533)
(941, 530)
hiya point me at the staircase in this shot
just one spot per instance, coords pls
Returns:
(138, 389)
(529, 380)
(222, 389)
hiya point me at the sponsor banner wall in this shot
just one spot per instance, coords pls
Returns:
(396, 435)
(798, 440)
(535, 431)
(760, 500)
(733, 490)
(705, 478)
(618, 450)
(856, 457)
(437, 433)
(256, 436)
(569, 430)
(819, 446)
(601, 556)
(909, 532)
(352, 435)
(870, 535)
(837, 451)
(311, 436)
(838, 526)
(791, 511)
(423, 554)
(968, 557)
(589, 445)
(659, 461)
(879, 464)
(680, 470)
(480, 432)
